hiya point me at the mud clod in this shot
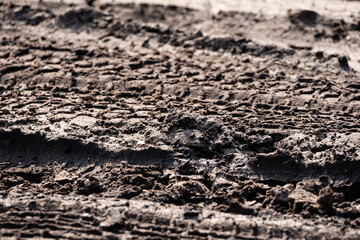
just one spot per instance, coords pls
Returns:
(326, 199)
(307, 17)
(78, 17)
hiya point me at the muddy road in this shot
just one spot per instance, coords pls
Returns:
(136, 120)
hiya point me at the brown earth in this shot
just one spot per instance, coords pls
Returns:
(151, 121)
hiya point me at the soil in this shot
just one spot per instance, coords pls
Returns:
(151, 121)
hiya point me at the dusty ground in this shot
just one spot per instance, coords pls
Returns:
(149, 121)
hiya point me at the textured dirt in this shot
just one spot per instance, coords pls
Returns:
(150, 121)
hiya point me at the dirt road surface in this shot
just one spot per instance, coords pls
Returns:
(185, 120)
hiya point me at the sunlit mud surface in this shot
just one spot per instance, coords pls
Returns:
(151, 121)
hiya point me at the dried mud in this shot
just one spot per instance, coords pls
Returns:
(149, 121)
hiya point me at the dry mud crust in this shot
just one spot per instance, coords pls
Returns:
(162, 121)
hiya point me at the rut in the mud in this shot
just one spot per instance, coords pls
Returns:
(162, 121)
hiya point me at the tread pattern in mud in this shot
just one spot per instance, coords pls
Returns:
(178, 109)
(57, 218)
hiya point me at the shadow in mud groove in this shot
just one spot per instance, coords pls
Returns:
(17, 148)
(283, 167)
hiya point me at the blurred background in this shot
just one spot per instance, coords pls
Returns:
(268, 7)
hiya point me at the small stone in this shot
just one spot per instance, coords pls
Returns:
(83, 121)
